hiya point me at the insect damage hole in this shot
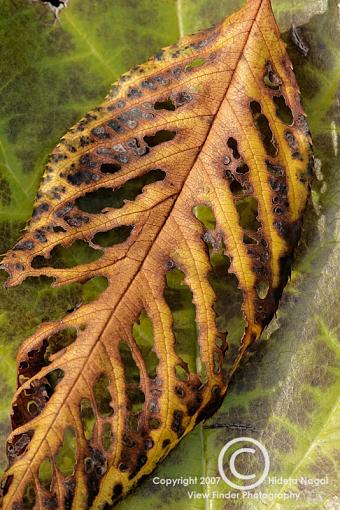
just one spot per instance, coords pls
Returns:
(63, 258)
(66, 455)
(229, 319)
(29, 498)
(31, 401)
(232, 144)
(181, 373)
(5, 485)
(103, 396)
(110, 168)
(58, 230)
(54, 378)
(111, 237)
(168, 104)
(262, 289)
(45, 474)
(282, 110)
(270, 78)
(262, 125)
(197, 62)
(179, 299)
(161, 136)
(235, 186)
(107, 436)
(248, 240)
(88, 418)
(205, 215)
(59, 341)
(134, 393)
(94, 202)
(242, 168)
(142, 331)
(18, 446)
(247, 209)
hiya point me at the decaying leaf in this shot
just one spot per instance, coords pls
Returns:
(202, 150)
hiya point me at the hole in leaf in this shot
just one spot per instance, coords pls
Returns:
(142, 331)
(29, 497)
(168, 104)
(197, 62)
(247, 209)
(95, 201)
(5, 485)
(135, 395)
(30, 402)
(54, 378)
(57, 229)
(236, 187)
(262, 289)
(110, 168)
(45, 474)
(94, 287)
(59, 341)
(227, 307)
(103, 396)
(87, 417)
(160, 137)
(282, 110)
(262, 125)
(232, 144)
(242, 169)
(270, 78)
(107, 436)
(205, 215)
(181, 373)
(217, 364)
(203, 372)
(61, 258)
(111, 237)
(248, 240)
(18, 445)
(66, 455)
(179, 298)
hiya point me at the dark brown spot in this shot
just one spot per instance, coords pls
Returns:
(26, 245)
(166, 443)
(293, 144)
(176, 424)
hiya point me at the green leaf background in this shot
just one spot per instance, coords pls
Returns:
(286, 392)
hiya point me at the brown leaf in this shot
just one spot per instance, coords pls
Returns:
(214, 121)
